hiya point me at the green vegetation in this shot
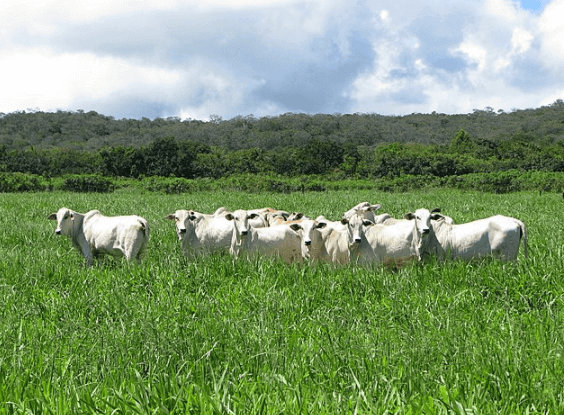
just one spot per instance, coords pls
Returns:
(216, 335)
(351, 146)
(496, 182)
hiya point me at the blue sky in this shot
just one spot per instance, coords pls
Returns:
(228, 58)
(535, 6)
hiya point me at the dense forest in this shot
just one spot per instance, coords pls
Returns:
(345, 146)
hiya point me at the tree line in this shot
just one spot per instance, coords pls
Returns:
(169, 157)
(340, 146)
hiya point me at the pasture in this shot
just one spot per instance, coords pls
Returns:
(218, 335)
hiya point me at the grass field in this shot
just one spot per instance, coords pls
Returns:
(217, 335)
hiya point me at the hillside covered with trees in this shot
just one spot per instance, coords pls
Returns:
(289, 145)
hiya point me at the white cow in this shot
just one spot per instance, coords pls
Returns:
(498, 236)
(200, 233)
(324, 241)
(93, 233)
(376, 243)
(279, 240)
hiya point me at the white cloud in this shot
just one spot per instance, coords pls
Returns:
(474, 52)
(195, 58)
(502, 9)
(40, 78)
(552, 34)
(499, 48)
(521, 40)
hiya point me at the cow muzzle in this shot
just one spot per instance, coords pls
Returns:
(425, 231)
(182, 230)
(307, 243)
(244, 233)
(58, 231)
(357, 240)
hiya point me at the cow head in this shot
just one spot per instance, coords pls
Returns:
(295, 216)
(275, 218)
(308, 228)
(240, 220)
(436, 215)
(355, 227)
(311, 240)
(422, 218)
(183, 219)
(64, 218)
(365, 209)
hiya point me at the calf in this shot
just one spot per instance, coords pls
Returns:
(93, 233)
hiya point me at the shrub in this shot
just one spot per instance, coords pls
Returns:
(88, 184)
(20, 182)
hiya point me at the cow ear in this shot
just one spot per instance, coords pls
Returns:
(436, 210)
(376, 207)
(321, 225)
(52, 216)
(229, 216)
(72, 216)
(253, 215)
(299, 215)
(437, 217)
(367, 222)
(170, 217)
(409, 216)
(344, 221)
(295, 226)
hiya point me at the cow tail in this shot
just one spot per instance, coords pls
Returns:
(524, 236)
(144, 228)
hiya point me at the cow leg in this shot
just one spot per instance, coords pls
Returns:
(88, 255)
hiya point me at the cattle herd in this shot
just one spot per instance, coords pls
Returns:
(360, 237)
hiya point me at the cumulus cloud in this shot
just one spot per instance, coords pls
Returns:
(192, 59)
(460, 60)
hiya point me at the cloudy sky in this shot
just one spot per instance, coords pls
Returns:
(197, 58)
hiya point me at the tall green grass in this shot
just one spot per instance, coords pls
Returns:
(216, 335)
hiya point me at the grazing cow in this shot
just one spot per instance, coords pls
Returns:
(93, 233)
(200, 233)
(376, 243)
(279, 240)
(498, 236)
(324, 241)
